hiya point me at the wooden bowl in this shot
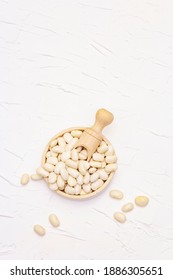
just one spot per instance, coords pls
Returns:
(77, 197)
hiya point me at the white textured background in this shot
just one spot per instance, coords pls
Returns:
(59, 62)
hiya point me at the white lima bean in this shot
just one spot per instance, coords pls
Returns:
(66, 168)
(141, 201)
(119, 217)
(127, 207)
(116, 194)
(36, 177)
(24, 179)
(54, 221)
(39, 230)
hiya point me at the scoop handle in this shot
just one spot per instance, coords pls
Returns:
(103, 118)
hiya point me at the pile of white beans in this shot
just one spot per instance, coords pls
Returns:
(66, 169)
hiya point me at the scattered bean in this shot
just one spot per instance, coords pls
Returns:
(53, 219)
(24, 179)
(127, 207)
(141, 201)
(120, 217)
(39, 230)
(116, 194)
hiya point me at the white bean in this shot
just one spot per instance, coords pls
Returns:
(76, 133)
(24, 179)
(58, 167)
(97, 184)
(102, 149)
(64, 173)
(127, 207)
(86, 164)
(53, 219)
(71, 181)
(86, 178)
(110, 151)
(102, 174)
(39, 230)
(48, 154)
(71, 144)
(96, 164)
(69, 190)
(67, 137)
(77, 189)
(111, 159)
(65, 156)
(36, 177)
(141, 201)
(98, 157)
(103, 164)
(83, 154)
(53, 143)
(110, 167)
(41, 171)
(120, 217)
(74, 155)
(52, 178)
(71, 163)
(94, 177)
(92, 170)
(49, 167)
(53, 187)
(73, 172)
(52, 160)
(82, 170)
(117, 194)
(61, 142)
(80, 179)
(87, 188)
(58, 149)
(60, 182)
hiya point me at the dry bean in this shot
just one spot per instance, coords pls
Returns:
(71, 181)
(120, 217)
(76, 133)
(61, 142)
(86, 164)
(69, 190)
(86, 178)
(53, 187)
(141, 201)
(39, 230)
(49, 167)
(71, 163)
(94, 177)
(64, 173)
(110, 167)
(83, 155)
(58, 149)
(52, 177)
(111, 159)
(110, 151)
(103, 164)
(52, 160)
(82, 170)
(24, 179)
(98, 157)
(67, 137)
(41, 171)
(80, 179)
(87, 188)
(96, 164)
(102, 174)
(77, 189)
(36, 177)
(92, 170)
(71, 144)
(65, 156)
(127, 207)
(53, 143)
(60, 182)
(48, 154)
(53, 219)
(97, 184)
(58, 167)
(73, 172)
(102, 149)
(116, 194)
(74, 155)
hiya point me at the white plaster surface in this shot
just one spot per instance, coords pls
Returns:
(61, 60)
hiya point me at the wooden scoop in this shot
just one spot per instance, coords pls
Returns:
(92, 136)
